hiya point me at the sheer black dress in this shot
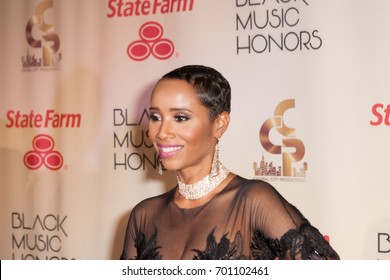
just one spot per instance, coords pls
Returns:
(248, 219)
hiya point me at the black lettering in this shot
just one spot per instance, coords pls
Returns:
(383, 241)
(246, 47)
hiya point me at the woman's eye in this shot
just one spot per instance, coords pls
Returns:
(155, 118)
(181, 118)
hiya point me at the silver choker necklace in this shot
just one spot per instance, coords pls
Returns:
(204, 186)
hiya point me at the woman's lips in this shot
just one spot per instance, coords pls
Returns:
(167, 151)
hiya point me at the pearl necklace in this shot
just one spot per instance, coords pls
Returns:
(204, 186)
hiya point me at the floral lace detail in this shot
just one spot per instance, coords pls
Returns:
(263, 248)
(147, 249)
(224, 250)
(305, 243)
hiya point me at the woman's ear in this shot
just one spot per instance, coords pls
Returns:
(221, 124)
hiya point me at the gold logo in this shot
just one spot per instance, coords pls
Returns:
(291, 148)
(49, 41)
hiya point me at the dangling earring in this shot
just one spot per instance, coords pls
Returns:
(215, 165)
(159, 166)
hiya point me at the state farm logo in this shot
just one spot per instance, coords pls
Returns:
(43, 153)
(151, 42)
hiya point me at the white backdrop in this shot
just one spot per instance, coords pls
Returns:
(76, 76)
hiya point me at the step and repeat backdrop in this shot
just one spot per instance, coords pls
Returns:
(310, 113)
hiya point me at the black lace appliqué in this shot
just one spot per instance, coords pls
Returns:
(309, 243)
(147, 249)
(264, 248)
(304, 243)
(222, 250)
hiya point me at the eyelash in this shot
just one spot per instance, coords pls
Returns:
(181, 118)
(154, 118)
(177, 118)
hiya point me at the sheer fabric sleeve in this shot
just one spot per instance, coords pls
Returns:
(129, 249)
(140, 238)
(286, 233)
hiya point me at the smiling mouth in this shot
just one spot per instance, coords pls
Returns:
(169, 151)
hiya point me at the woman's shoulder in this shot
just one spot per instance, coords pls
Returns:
(258, 192)
(253, 186)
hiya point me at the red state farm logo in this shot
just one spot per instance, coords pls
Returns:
(43, 154)
(151, 43)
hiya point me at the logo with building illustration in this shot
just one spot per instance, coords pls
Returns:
(284, 151)
(43, 43)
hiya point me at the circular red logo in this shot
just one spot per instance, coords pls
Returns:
(139, 50)
(43, 154)
(151, 43)
(151, 31)
(163, 49)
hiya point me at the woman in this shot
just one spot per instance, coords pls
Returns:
(211, 213)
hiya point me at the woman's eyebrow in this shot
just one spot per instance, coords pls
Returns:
(175, 109)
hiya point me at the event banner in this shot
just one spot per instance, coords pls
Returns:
(310, 114)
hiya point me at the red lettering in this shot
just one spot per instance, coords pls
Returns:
(50, 119)
(121, 8)
(111, 6)
(387, 115)
(137, 4)
(146, 8)
(10, 120)
(377, 114)
(17, 117)
(129, 10)
(381, 114)
(38, 121)
(30, 119)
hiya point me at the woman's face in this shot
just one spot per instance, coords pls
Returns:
(180, 128)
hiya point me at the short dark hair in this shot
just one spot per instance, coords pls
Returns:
(211, 87)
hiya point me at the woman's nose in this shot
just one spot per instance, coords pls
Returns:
(165, 130)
